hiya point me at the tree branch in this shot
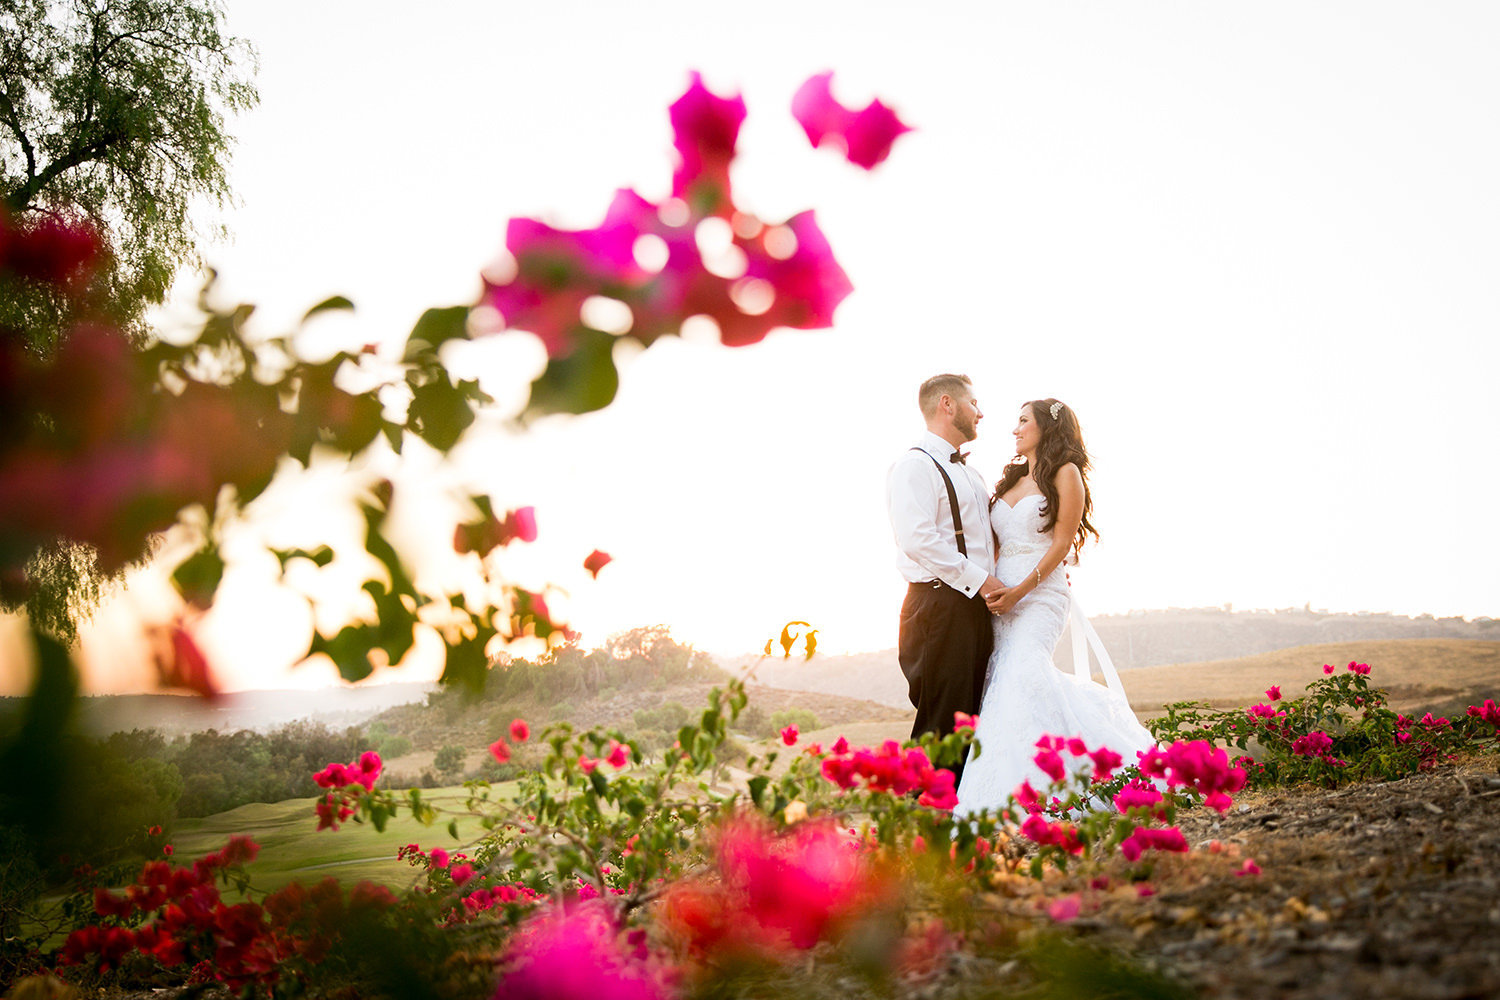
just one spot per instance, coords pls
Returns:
(13, 119)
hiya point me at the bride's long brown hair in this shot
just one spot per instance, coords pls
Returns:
(1061, 442)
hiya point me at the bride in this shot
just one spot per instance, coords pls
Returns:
(1040, 512)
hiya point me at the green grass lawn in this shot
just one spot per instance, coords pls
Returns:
(292, 848)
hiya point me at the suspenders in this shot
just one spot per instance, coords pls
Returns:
(958, 524)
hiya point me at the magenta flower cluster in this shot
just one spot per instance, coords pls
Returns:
(891, 769)
(752, 278)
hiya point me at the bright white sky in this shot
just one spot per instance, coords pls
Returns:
(1254, 247)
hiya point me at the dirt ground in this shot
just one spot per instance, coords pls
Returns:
(1380, 890)
(1387, 889)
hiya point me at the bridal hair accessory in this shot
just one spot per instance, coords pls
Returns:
(1055, 409)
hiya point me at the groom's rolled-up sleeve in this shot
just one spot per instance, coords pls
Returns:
(915, 504)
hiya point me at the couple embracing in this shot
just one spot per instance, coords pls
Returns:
(988, 595)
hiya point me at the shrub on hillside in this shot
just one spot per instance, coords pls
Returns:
(802, 718)
(670, 717)
(394, 746)
(449, 760)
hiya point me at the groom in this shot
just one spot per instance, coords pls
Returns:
(940, 516)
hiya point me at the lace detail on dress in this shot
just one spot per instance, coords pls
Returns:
(1025, 695)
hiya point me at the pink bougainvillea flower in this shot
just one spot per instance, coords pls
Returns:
(522, 521)
(840, 746)
(575, 953)
(556, 271)
(1065, 909)
(520, 732)
(618, 755)
(596, 561)
(1273, 692)
(1328, 668)
(1143, 839)
(806, 286)
(1358, 668)
(155, 831)
(1028, 798)
(866, 136)
(1249, 868)
(587, 764)
(1052, 764)
(438, 857)
(796, 887)
(705, 128)
(1314, 744)
(1105, 761)
(461, 873)
(963, 720)
(789, 736)
(167, 850)
(500, 750)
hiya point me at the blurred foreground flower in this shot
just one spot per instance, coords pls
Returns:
(577, 954)
(866, 135)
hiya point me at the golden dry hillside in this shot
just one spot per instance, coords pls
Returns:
(1419, 673)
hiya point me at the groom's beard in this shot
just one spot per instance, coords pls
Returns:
(967, 426)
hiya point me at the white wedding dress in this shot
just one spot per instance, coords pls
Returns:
(1026, 696)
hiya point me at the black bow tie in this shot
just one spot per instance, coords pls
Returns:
(961, 457)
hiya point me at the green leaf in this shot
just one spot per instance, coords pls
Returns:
(583, 381)
(435, 327)
(453, 828)
(320, 556)
(439, 412)
(758, 787)
(332, 302)
(198, 576)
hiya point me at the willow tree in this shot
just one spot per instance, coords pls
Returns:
(114, 111)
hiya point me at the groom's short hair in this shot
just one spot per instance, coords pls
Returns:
(939, 386)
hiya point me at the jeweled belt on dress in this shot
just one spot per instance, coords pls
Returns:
(1010, 549)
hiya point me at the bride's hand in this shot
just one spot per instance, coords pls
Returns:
(1006, 601)
(994, 598)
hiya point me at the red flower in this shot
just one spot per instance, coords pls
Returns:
(1249, 868)
(48, 250)
(167, 850)
(183, 665)
(1328, 668)
(520, 732)
(840, 746)
(1273, 692)
(596, 561)
(438, 857)
(963, 720)
(461, 874)
(154, 831)
(866, 136)
(789, 736)
(500, 750)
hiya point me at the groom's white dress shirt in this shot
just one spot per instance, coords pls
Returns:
(926, 545)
